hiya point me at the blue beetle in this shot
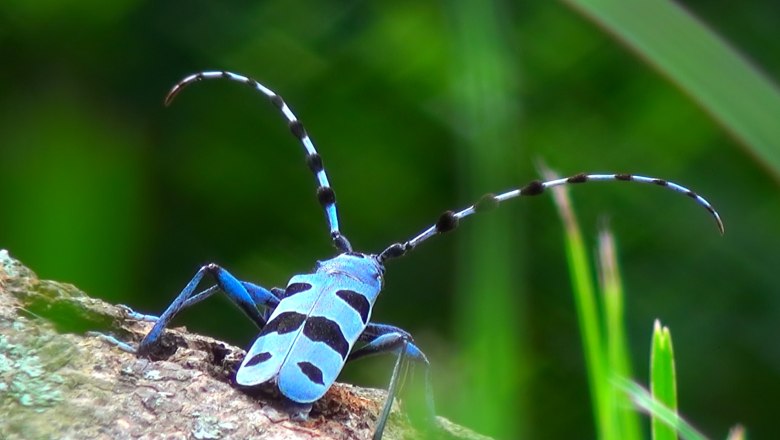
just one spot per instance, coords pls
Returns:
(309, 330)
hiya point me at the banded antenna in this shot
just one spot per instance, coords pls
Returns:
(325, 194)
(449, 219)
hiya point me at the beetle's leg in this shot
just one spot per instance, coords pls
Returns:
(247, 296)
(122, 345)
(383, 338)
(194, 299)
(137, 316)
(258, 293)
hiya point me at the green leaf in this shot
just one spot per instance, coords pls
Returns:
(585, 300)
(618, 355)
(701, 64)
(643, 400)
(663, 384)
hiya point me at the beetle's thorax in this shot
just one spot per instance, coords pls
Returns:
(364, 268)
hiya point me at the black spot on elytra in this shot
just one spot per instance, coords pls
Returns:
(284, 323)
(312, 372)
(357, 302)
(258, 359)
(294, 288)
(321, 329)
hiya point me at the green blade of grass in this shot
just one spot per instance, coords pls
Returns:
(644, 401)
(698, 61)
(617, 355)
(663, 384)
(587, 314)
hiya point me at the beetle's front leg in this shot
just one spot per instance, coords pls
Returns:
(254, 290)
(250, 298)
(246, 296)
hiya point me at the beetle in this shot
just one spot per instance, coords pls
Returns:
(322, 319)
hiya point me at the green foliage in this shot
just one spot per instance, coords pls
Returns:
(608, 359)
(618, 353)
(661, 414)
(601, 322)
(663, 384)
(739, 97)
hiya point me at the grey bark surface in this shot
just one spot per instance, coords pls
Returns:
(57, 382)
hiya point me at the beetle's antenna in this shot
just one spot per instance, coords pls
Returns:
(449, 219)
(325, 194)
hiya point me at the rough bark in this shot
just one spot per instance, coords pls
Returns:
(56, 381)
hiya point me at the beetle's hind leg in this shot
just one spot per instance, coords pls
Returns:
(383, 338)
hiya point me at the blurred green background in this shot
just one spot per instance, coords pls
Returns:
(416, 107)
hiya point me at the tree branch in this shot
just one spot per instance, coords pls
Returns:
(57, 382)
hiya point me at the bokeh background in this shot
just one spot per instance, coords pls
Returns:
(416, 107)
